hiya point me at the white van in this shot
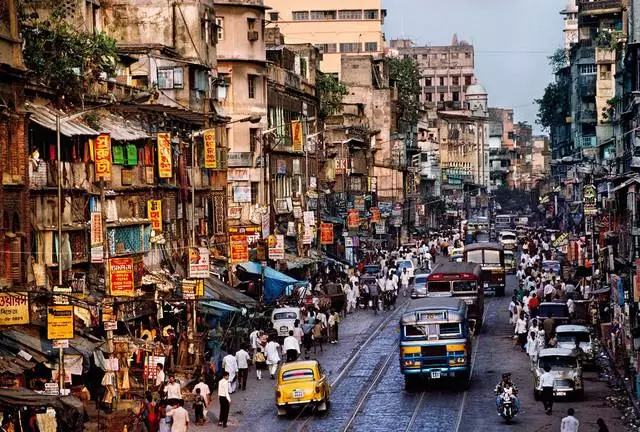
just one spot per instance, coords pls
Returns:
(283, 319)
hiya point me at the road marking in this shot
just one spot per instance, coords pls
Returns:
(415, 413)
(473, 364)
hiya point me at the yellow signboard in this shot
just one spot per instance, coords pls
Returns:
(59, 322)
(209, 137)
(165, 164)
(14, 308)
(154, 214)
(296, 136)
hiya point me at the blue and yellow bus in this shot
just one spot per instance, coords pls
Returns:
(435, 341)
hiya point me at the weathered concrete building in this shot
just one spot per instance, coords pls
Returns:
(15, 231)
(502, 153)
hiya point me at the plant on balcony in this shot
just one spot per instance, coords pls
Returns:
(331, 92)
(608, 39)
(63, 58)
(559, 60)
(404, 74)
(609, 111)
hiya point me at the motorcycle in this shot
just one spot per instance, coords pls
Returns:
(507, 404)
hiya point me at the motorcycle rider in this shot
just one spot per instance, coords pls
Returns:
(506, 385)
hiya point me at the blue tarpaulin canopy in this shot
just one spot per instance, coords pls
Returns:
(274, 281)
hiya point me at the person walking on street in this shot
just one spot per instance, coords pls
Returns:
(180, 418)
(273, 357)
(547, 380)
(242, 359)
(404, 281)
(225, 399)
(253, 339)
(230, 365)
(521, 330)
(336, 317)
(602, 426)
(198, 406)
(291, 346)
(260, 361)
(569, 423)
(172, 389)
(203, 389)
(373, 294)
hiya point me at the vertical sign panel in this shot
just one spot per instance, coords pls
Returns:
(164, 155)
(209, 137)
(102, 157)
(154, 213)
(121, 277)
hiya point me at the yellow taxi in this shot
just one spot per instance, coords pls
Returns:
(302, 383)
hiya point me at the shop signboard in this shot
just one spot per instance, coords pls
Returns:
(165, 164)
(14, 308)
(375, 214)
(276, 247)
(235, 213)
(242, 194)
(309, 218)
(590, 200)
(209, 138)
(102, 157)
(198, 263)
(266, 225)
(560, 240)
(154, 213)
(380, 227)
(239, 248)
(96, 228)
(309, 234)
(297, 136)
(121, 277)
(59, 322)
(353, 219)
(326, 233)
(192, 288)
(252, 232)
(358, 203)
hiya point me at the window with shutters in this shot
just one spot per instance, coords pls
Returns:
(350, 14)
(371, 46)
(322, 15)
(251, 86)
(371, 14)
(300, 15)
(350, 47)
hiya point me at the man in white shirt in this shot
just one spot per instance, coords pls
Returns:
(230, 365)
(180, 418)
(253, 339)
(291, 346)
(548, 291)
(390, 285)
(204, 390)
(569, 423)
(404, 280)
(172, 390)
(547, 381)
(242, 359)
(224, 397)
(160, 377)
(273, 358)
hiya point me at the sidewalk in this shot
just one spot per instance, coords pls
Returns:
(248, 407)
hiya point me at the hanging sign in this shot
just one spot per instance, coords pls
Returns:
(121, 277)
(165, 164)
(375, 214)
(276, 247)
(358, 203)
(326, 233)
(102, 157)
(239, 247)
(59, 322)
(309, 218)
(296, 136)
(266, 225)
(96, 228)
(14, 308)
(353, 219)
(192, 288)
(380, 227)
(590, 200)
(198, 262)
(209, 137)
(154, 213)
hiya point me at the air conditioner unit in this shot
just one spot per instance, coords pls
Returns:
(252, 36)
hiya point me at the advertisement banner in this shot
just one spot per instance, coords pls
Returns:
(326, 233)
(590, 200)
(59, 322)
(380, 228)
(239, 248)
(154, 213)
(209, 138)
(242, 194)
(14, 308)
(266, 225)
(198, 262)
(276, 247)
(309, 218)
(121, 277)
(102, 157)
(375, 214)
(96, 228)
(308, 235)
(192, 289)
(353, 219)
(358, 203)
(297, 137)
(165, 164)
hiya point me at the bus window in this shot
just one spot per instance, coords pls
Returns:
(414, 331)
(491, 257)
(450, 330)
(460, 286)
(474, 256)
(439, 287)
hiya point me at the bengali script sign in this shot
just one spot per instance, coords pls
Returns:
(14, 308)
(154, 213)
(59, 322)
(121, 277)
(209, 137)
(164, 155)
(102, 157)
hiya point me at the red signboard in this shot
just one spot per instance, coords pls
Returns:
(102, 157)
(375, 214)
(326, 233)
(353, 219)
(121, 277)
(154, 213)
(239, 248)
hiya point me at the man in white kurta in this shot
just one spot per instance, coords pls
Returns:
(273, 357)
(230, 365)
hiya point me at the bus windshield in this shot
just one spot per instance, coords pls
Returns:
(439, 287)
(461, 286)
(445, 330)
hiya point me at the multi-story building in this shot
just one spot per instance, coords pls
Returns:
(501, 147)
(540, 158)
(447, 72)
(570, 18)
(336, 27)
(14, 203)
(242, 65)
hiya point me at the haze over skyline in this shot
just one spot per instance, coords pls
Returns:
(512, 40)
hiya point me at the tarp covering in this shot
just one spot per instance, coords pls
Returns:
(216, 289)
(220, 306)
(274, 281)
(69, 409)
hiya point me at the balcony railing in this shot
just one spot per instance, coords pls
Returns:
(599, 6)
(586, 116)
(605, 56)
(588, 141)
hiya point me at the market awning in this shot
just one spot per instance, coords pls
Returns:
(121, 129)
(221, 306)
(626, 184)
(275, 282)
(69, 409)
(46, 117)
(295, 262)
(216, 289)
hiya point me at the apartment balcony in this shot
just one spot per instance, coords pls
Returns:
(587, 141)
(586, 116)
(605, 56)
(359, 165)
(599, 7)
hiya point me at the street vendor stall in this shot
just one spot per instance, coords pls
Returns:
(64, 413)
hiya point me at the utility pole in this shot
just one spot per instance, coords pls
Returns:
(59, 156)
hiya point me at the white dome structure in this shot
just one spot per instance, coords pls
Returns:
(477, 100)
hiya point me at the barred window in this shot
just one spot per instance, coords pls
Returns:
(323, 15)
(328, 48)
(351, 47)
(350, 14)
(300, 15)
(371, 14)
(371, 46)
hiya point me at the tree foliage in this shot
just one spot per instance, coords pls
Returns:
(559, 60)
(63, 58)
(331, 92)
(553, 107)
(405, 75)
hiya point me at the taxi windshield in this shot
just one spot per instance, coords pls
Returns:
(557, 361)
(285, 316)
(573, 336)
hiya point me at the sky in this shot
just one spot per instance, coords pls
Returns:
(512, 40)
